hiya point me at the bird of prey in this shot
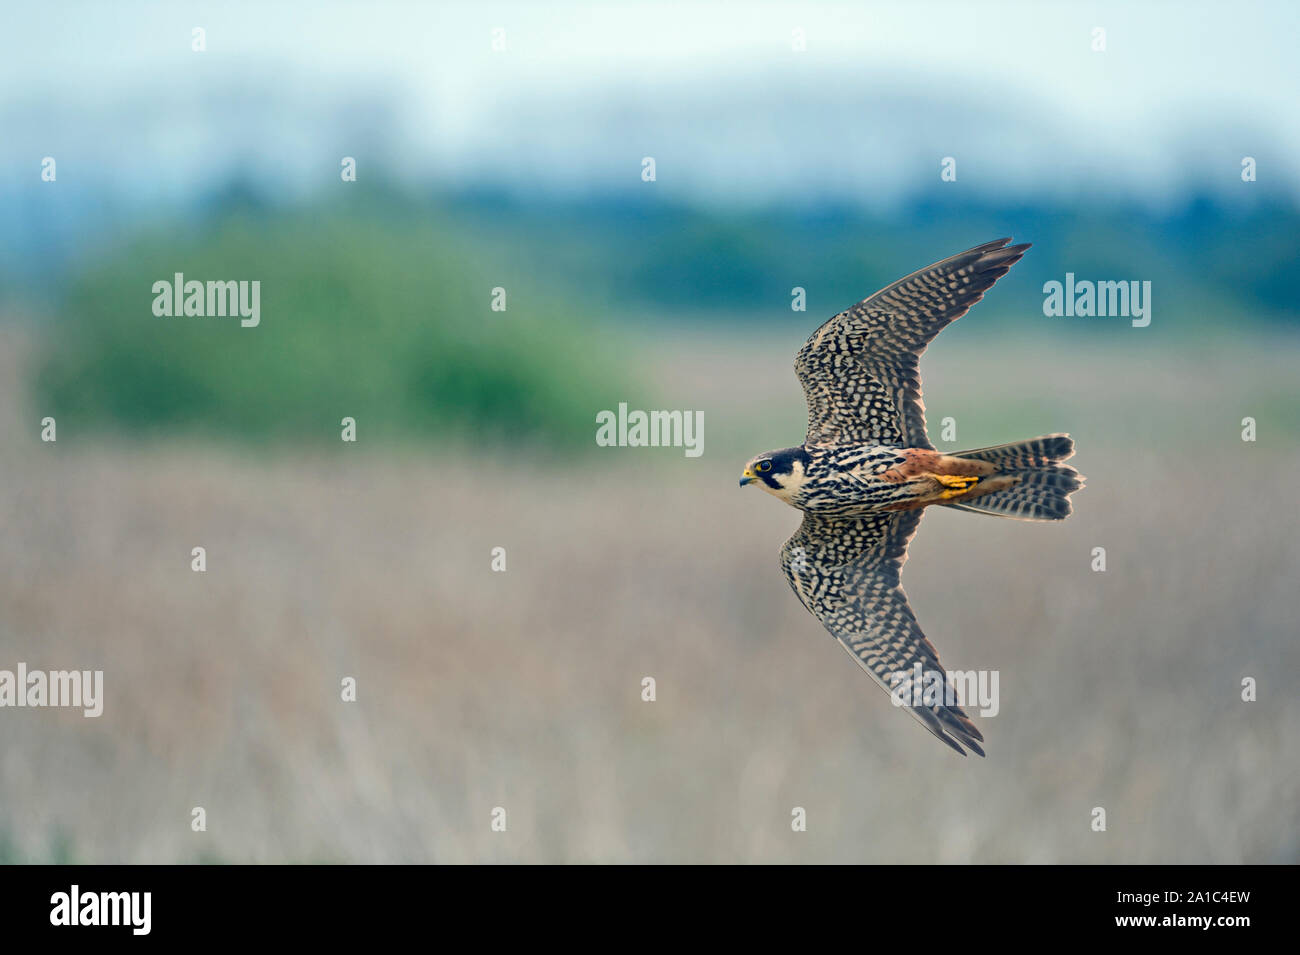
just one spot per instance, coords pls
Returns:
(866, 471)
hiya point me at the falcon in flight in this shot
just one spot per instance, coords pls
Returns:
(866, 471)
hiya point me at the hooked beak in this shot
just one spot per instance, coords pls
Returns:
(747, 477)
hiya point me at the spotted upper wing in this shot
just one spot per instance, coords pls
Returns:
(859, 369)
(845, 570)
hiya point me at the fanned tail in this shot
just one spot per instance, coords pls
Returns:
(1029, 482)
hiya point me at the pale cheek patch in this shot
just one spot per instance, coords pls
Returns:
(790, 483)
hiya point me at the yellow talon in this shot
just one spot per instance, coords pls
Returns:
(958, 484)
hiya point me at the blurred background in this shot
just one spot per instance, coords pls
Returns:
(794, 145)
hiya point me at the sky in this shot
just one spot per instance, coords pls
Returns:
(714, 92)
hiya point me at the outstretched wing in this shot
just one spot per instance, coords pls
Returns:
(846, 572)
(859, 370)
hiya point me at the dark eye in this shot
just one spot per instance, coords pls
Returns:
(765, 465)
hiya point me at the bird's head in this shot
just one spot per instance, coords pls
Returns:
(778, 472)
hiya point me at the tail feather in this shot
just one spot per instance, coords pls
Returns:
(1042, 485)
(1034, 453)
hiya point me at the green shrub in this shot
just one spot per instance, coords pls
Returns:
(385, 321)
